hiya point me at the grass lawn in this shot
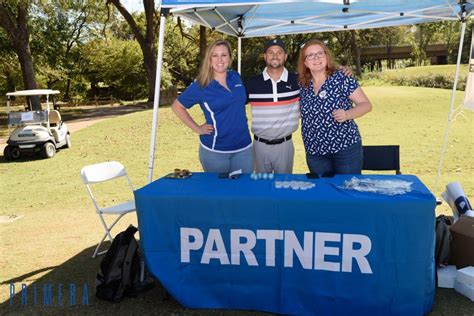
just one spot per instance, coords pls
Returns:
(55, 238)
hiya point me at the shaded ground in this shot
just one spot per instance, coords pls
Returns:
(91, 113)
(153, 302)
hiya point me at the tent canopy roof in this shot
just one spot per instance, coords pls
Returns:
(247, 18)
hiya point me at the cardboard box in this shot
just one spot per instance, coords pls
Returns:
(462, 243)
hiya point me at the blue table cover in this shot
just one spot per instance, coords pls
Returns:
(245, 244)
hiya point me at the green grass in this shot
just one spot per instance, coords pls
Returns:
(435, 69)
(54, 240)
(439, 76)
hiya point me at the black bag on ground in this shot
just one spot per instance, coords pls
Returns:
(443, 240)
(120, 270)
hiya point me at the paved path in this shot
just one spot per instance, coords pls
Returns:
(88, 117)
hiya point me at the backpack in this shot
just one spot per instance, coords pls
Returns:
(443, 240)
(120, 270)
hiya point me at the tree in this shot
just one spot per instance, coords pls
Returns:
(346, 47)
(421, 37)
(392, 36)
(293, 47)
(341, 47)
(356, 51)
(114, 66)
(14, 19)
(60, 29)
(202, 42)
(145, 39)
(448, 33)
(10, 73)
(182, 51)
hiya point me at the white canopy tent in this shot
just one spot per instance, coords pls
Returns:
(254, 18)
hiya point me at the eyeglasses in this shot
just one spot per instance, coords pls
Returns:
(317, 55)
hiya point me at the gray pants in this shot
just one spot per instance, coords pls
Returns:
(273, 158)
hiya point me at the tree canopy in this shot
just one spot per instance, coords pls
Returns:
(88, 48)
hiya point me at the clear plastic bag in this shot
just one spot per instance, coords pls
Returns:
(387, 187)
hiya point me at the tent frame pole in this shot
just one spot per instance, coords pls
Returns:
(451, 106)
(156, 99)
(239, 45)
(468, 101)
(239, 54)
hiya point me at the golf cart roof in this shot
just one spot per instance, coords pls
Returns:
(23, 93)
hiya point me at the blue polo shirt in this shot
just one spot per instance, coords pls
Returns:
(223, 109)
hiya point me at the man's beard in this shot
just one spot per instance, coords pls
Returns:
(275, 65)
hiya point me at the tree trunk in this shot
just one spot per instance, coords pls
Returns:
(389, 56)
(26, 63)
(94, 89)
(146, 41)
(16, 27)
(9, 80)
(356, 53)
(345, 42)
(150, 69)
(202, 42)
(67, 97)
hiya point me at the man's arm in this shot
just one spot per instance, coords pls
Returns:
(347, 71)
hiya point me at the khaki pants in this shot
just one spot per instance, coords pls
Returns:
(273, 158)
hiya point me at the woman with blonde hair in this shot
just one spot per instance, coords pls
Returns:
(329, 103)
(225, 143)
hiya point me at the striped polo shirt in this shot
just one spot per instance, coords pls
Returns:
(275, 104)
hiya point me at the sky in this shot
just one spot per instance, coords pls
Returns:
(133, 5)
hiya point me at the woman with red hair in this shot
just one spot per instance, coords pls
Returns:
(329, 103)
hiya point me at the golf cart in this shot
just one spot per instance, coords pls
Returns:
(35, 131)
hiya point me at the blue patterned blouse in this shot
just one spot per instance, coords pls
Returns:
(322, 134)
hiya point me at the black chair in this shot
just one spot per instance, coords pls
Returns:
(386, 157)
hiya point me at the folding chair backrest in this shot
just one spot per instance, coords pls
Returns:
(382, 158)
(102, 172)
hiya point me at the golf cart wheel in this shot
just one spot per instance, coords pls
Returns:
(68, 141)
(11, 153)
(48, 150)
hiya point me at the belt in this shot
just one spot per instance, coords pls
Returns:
(273, 141)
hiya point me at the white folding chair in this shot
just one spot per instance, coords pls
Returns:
(103, 172)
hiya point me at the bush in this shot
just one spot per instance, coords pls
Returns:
(441, 77)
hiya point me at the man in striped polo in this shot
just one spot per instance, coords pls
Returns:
(274, 98)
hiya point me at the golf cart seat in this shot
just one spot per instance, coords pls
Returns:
(54, 118)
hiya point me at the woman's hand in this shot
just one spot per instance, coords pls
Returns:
(362, 106)
(205, 129)
(182, 113)
(340, 115)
